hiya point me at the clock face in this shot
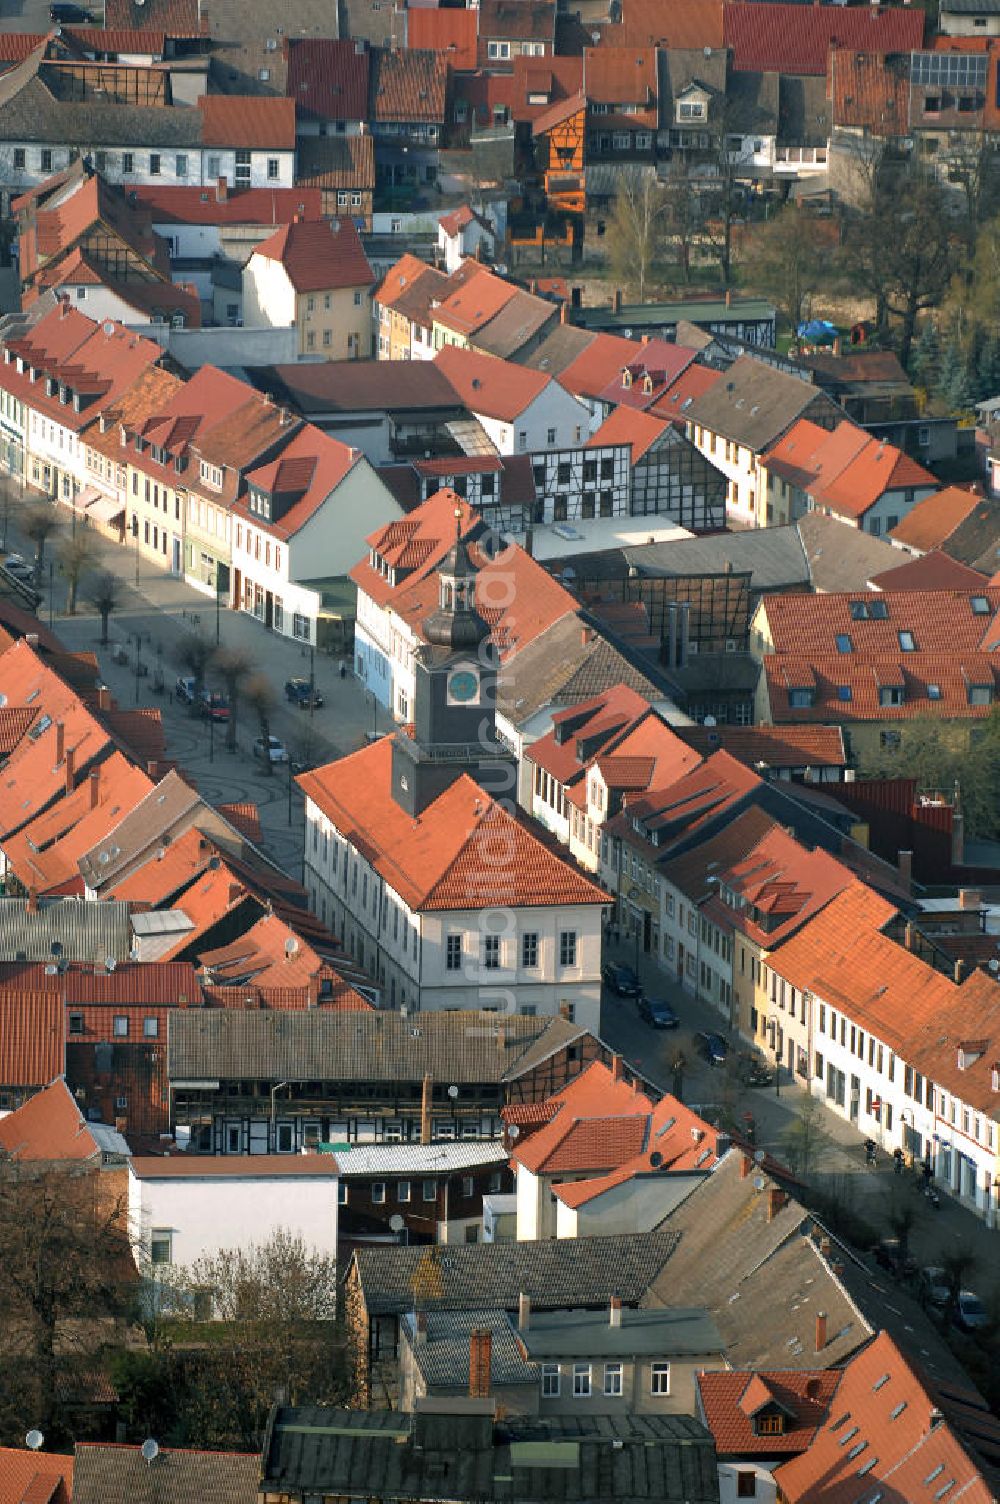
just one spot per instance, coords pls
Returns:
(463, 686)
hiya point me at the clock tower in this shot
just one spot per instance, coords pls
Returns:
(454, 729)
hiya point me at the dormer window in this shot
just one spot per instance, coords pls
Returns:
(890, 694)
(802, 698)
(647, 384)
(690, 109)
(626, 377)
(980, 694)
(212, 475)
(64, 393)
(51, 386)
(772, 1424)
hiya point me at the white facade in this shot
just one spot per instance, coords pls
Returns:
(268, 295)
(100, 302)
(553, 420)
(738, 464)
(25, 164)
(465, 242)
(409, 950)
(886, 513)
(637, 1205)
(237, 1202)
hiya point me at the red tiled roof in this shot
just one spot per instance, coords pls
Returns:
(874, 469)
(453, 32)
(446, 858)
(21, 1471)
(705, 792)
(869, 90)
(793, 457)
(932, 571)
(48, 1126)
(778, 746)
(243, 206)
(309, 469)
(684, 24)
(594, 367)
(783, 882)
(531, 600)
(600, 1122)
(32, 1038)
(538, 84)
(408, 87)
(328, 77)
(497, 388)
(621, 75)
(627, 426)
(319, 254)
(883, 1408)
(413, 545)
(14, 723)
(931, 522)
(941, 621)
(676, 1141)
(268, 954)
(689, 385)
(648, 374)
(245, 816)
(765, 36)
(208, 899)
(529, 1114)
(729, 1400)
(154, 882)
(592, 723)
(974, 1008)
(478, 298)
(178, 18)
(235, 120)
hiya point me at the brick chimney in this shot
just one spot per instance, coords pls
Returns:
(425, 1110)
(616, 1067)
(820, 1331)
(31, 907)
(564, 313)
(910, 936)
(95, 787)
(523, 1311)
(103, 697)
(60, 741)
(959, 972)
(480, 1363)
(235, 892)
(904, 863)
(70, 768)
(615, 1311)
(153, 768)
(776, 1199)
(746, 1165)
(222, 191)
(616, 301)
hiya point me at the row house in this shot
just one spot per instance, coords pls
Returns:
(846, 474)
(437, 1188)
(64, 370)
(512, 29)
(901, 1051)
(304, 512)
(597, 755)
(670, 478)
(408, 104)
(521, 410)
(403, 309)
(501, 490)
(739, 418)
(621, 87)
(44, 126)
(874, 661)
(314, 276)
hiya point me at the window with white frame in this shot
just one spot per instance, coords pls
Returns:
(551, 1381)
(161, 1246)
(567, 947)
(659, 1378)
(581, 1381)
(378, 1192)
(612, 1378)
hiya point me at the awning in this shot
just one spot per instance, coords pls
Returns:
(105, 508)
(85, 498)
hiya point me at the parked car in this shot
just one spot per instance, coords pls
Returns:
(185, 687)
(621, 980)
(19, 568)
(970, 1314)
(888, 1254)
(214, 706)
(301, 692)
(66, 14)
(658, 1012)
(752, 1071)
(934, 1287)
(273, 750)
(712, 1048)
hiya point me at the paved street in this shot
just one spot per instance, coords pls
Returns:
(840, 1157)
(160, 610)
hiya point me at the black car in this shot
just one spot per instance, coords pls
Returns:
(889, 1255)
(66, 14)
(621, 979)
(711, 1047)
(658, 1012)
(752, 1071)
(301, 692)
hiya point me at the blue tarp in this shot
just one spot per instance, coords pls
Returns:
(818, 329)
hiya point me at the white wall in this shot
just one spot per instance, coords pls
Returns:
(637, 1205)
(268, 295)
(553, 409)
(208, 1215)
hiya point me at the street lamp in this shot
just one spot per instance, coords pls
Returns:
(217, 583)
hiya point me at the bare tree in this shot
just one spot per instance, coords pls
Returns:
(104, 594)
(786, 259)
(76, 555)
(67, 1266)
(636, 227)
(258, 692)
(806, 1137)
(234, 666)
(38, 523)
(195, 652)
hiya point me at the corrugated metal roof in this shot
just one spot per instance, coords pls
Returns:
(440, 1158)
(85, 931)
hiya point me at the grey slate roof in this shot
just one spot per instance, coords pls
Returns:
(380, 1046)
(754, 404)
(120, 1475)
(839, 563)
(517, 323)
(29, 111)
(667, 1333)
(559, 668)
(762, 1281)
(371, 1454)
(577, 1272)
(773, 555)
(443, 1356)
(559, 349)
(86, 931)
(752, 103)
(803, 113)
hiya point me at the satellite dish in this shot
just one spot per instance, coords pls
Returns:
(57, 949)
(396, 1222)
(710, 721)
(150, 1450)
(453, 1092)
(110, 963)
(291, 946)
(513, 1131)
(34, 1439)
(759, 1157)
(759, 1182)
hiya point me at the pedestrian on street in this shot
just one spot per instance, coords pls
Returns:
(678, 1066)
(897, 1161)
